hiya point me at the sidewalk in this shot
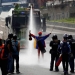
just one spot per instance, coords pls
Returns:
(61, 28)
(30, 66)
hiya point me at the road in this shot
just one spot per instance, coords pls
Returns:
(34, 66)
(29, 63)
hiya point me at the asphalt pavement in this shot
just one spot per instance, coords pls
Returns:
(29, 63)
(60, 27)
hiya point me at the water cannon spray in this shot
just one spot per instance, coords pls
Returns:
(31, 5)
(30, 38)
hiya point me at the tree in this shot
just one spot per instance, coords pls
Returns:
(17, 6)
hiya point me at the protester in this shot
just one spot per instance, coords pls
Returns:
(64, 49)
(40, 43)
(15, 53)
(8, 47)
(72, 56)
(53, 51)
(3, 58)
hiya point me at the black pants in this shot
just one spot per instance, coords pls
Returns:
(3, 66)
(65, 58)
(54, 57)
(15, 57)
(71, 62)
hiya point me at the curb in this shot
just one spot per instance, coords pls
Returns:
(61, 24)
(61, 28)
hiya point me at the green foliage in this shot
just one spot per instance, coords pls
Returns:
(18, 9)
(17, 6)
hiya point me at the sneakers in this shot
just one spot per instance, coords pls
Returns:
(17, 72)
(9, 73)
(57, 70)
(50, 69)
(72, 71)
(65, 73)
(12, 72)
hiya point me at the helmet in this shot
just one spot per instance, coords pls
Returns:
(54, 37)
(65, 36)
(40, 33)
(70, 36)
(14, 36)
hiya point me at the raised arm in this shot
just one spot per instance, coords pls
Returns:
(32, 35)
(46, 36)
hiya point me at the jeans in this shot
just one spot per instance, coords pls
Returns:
(16, 57)
(10, 63)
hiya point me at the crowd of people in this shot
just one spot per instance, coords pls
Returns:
(64, 49)
(9, 51)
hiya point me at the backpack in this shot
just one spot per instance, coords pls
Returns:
(15, 47)
(3, 52)
(40, 45)
(65, 48)
(8, 41)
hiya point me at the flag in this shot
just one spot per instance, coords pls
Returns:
(34, 43)
(59, 61)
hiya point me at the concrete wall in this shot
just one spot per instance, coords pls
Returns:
(58, 13)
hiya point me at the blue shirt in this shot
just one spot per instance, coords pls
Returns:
(42, 39)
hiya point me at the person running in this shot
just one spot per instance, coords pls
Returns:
(40, 40)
